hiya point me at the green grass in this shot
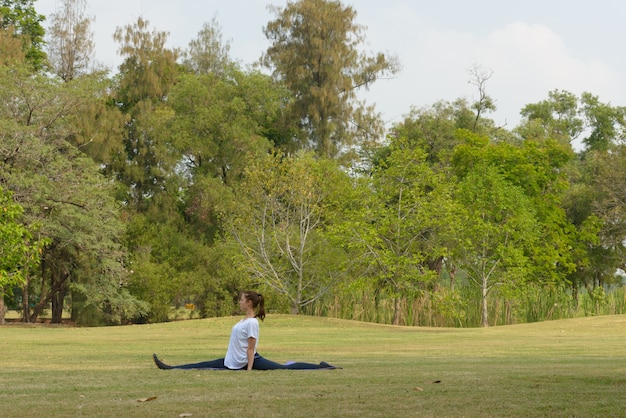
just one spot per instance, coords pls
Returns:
(573, 368)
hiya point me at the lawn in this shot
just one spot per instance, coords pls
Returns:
(562, 368)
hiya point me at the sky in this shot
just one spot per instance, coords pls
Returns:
(530, 47)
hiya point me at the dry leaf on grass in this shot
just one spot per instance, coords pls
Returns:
(151, 398)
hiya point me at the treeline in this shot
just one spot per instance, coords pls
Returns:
(183, 177)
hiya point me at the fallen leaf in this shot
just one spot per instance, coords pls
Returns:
(185, 414)
(151, 398)
(419, 389)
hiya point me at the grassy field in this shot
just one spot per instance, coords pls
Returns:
(567, 368)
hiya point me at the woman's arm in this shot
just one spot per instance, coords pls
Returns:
(250, 351)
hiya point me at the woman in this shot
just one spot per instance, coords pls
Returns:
(241, 353)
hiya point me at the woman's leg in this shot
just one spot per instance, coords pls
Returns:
(261, 363)
(212, 364)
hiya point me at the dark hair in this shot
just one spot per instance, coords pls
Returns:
(258, 302)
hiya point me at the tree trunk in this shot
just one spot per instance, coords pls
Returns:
(25, 304)
(57, 305)
(396, 311)
(295, 308)
(485, 315)
(56, 294)
(2, 307)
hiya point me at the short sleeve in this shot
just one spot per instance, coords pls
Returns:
(252, 329)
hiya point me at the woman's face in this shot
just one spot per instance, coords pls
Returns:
(243, 303)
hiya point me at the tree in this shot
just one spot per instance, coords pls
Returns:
(20, 250)
(607, 124)
(600, 200)
(146, 75)
(479, 77)
(433, 129)
(314, 53)
(70, 40)
(589, 186)
(555, 118)
(400, 223)
(219, 121)
(63, 191)
(280, 226)
(496, 234)
(219, 124)
(11, 52)
(538, 167)
(208, 53)
(565, 117)
(19, 19)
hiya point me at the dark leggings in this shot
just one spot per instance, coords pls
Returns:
(260, 363)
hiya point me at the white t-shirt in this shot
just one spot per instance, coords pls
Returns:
(237, 354)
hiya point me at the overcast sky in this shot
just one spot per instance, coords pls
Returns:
(531, 46)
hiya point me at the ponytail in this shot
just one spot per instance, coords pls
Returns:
(258, 303)
(261, 312)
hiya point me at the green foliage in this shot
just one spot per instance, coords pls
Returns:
(21, 20)
(20, 249)
(555, 118)
(184, 178)
(208, 54)
(608, 123)
(63, 191)
(149, 70)
(538, 170)
(314, 52)
(596, 204)
(219, 122)
(400, 222)
(498, 230)
(171, 267)
(281, 225)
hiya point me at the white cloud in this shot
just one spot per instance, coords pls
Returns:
(527, 60)
(530, 60)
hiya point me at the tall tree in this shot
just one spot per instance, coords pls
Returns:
(555, 118)
(219, 124)
(591, 230)
(11, 51)
(314, 52)
(287, 204)
(606, 123)
(479, 77)
(566, 118)
(399, 225)
(20, 250)
(497, 233)
(208, 53)
(19, 19)
(63, 191)
(599, 199)
(146, 75)
(70, 40)
(539, 169)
